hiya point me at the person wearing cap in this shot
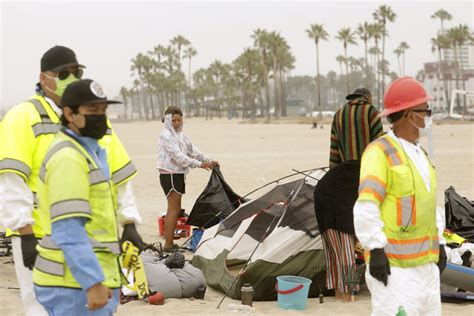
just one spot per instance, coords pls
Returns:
(354, 126)
(395, 217)
(176, 154)
(77, 270)
(27, 132)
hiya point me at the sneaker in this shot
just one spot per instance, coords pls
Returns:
(172, 249)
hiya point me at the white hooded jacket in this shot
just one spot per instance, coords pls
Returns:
(176, 153)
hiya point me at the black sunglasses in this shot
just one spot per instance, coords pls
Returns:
(64, 74)
(427, 111)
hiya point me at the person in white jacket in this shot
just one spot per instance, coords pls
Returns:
(176, 155)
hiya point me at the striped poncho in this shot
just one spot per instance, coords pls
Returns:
(354, 126)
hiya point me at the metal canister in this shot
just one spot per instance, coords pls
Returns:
(246, 293)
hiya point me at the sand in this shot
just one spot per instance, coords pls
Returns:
(251, 155)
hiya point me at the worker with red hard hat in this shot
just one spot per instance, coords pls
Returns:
(395, 217)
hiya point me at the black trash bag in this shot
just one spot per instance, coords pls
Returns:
(215, 203)
(459, 214)
(335, 196)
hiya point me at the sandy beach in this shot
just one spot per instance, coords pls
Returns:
(251, 155)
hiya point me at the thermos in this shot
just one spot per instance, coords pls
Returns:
(246, 293)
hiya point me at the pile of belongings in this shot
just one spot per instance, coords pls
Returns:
(170, 275)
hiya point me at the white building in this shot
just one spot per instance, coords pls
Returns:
(439, 82)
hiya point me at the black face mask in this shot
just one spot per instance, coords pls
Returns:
(96, 126)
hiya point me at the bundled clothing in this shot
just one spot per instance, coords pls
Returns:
(354, 126)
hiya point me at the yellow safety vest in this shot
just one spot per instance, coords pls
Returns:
(27, 132)
(408, 210)
(71, 186)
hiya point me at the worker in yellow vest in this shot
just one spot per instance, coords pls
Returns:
(77, 271)
(27, 132)
(395, 217)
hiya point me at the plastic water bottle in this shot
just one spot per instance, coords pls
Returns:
(246, 293)
(401, 311)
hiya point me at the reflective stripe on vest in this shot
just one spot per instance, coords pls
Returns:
(95, 175)
(392, 152)
(49, 266)
(70, 207)
(406, 211)
(114, 247)
(108, 132)
(411, 249)
(374, 186)
(124, 173)
(16, 165)
(46, 126)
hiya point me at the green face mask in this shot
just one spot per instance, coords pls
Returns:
(61, 85)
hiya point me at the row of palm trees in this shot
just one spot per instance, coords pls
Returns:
(258, 80)
(452, 39)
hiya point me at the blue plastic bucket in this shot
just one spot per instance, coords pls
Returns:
(292, 291)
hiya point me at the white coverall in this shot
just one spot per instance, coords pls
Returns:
(416, 289)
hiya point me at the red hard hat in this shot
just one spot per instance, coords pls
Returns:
(402, 94)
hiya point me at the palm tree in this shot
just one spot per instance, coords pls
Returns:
(377, 32)
(442, 15)
(189, 53)
(365, 33)
(398, 52)
(439, 43)
(341, 60)
(124, 93)
(383, 15)
(404, 46)
(261, 42)
(347, 37)
(246, 69)
(317, 33)
(179, 41)
(460, 35)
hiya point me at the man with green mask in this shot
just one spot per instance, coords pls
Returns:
(27, 132)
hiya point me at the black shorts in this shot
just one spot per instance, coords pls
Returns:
(174, 182)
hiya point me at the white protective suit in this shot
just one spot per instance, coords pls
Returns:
(416, 289)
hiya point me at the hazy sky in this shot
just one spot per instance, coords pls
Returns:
(106, 35)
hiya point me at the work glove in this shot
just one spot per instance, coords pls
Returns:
(442, 259)
(28, 250)
(130, 233)
(379, 267)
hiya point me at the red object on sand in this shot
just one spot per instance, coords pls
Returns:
(180, 224)
(156, 299)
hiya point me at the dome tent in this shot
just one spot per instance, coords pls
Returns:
(274, 234)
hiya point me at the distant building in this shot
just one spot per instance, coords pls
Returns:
(295, 108)
(439, 79)
(466, 54)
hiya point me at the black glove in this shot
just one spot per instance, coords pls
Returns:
(379, 267)
(442, 259)
(130, 233)
(28, 250)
